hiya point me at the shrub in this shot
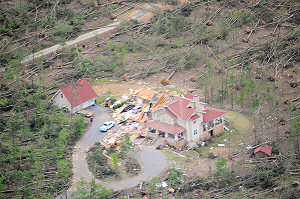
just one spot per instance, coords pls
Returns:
(191, 61)
(119, 105)
(174, 177)
(211, 155)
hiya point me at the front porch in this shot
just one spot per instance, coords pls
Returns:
(162, 129)
(154, 133)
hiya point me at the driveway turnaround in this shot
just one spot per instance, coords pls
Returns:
(152, 161)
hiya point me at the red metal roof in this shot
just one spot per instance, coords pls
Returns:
(172, 115)
(194, 117)
(179, 107)
(82, 92)
(267, 149)
(189, 96)
(174, 129)
(211, 114)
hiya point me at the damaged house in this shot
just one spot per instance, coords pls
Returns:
(185, 118)
(144, 96)
(75, 97)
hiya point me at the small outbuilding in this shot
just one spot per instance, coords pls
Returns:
(75, 97)
(263, 151)
(144, 96)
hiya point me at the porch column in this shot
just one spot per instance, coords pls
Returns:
(166, 135)
(214, 121)
(176, 137)
(156, 131)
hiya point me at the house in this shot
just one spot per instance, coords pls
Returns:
(185, 118)
(263, 151)
(144, 96)
(75, 97)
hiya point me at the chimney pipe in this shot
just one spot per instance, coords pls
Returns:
(197, 103)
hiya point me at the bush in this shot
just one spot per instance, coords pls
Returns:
(174, 177)
(119, 105)
(211, 155)
(97, 162)
(171, 146)
(191, 61)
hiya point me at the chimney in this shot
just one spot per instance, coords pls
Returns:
(197, 103)
(202, 106)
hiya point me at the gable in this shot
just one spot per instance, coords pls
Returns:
(211, 114)
(180, 108)
(79, 93)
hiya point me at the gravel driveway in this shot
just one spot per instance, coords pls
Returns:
(151, 160)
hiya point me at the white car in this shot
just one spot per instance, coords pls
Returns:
(107, 125)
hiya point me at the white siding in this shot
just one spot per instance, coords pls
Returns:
(139, 101)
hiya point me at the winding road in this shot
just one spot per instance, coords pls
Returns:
(152, 161)
(139, 13)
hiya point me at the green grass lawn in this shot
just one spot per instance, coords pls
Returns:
(175, 90)
(190, 154)
(239, 122)
(101, 81)
(100, 99)
(242, 130)
(173, 157)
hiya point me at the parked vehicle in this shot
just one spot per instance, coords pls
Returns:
(86, 113)
(107, 125)
(107, 102)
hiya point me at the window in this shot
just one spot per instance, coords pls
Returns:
(195, 132)
(61, 95)
(195, 121)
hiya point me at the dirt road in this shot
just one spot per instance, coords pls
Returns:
(137, 14)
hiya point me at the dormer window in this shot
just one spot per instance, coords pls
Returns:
(61, 95)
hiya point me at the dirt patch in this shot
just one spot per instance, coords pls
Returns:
(119, 88)
(146, 17)
(200, 167)
(132, 167)
(220, 151)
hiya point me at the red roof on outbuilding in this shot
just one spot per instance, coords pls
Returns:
(82, 92)
(180, 108)
(267, 149)
(211, 114)
(174, 129)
